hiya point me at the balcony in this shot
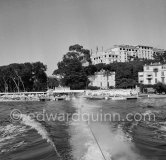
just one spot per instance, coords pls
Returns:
(149, 76)
(162, 74)
(155, 70)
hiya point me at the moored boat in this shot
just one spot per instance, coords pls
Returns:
(132, 97)
(95, 97)
(44, 99)
(57, 98)
(118, 98)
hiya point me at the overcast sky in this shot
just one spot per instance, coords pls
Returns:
(42, 30)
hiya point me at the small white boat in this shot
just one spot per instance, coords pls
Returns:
(118, 98)
(57, 98)
(106, 98)
(95, 97)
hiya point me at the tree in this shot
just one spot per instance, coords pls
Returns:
(90, 70)
(39, 76)
(71, 70)
(23, 77)
(126, 83)
(52, 82)
(83, 54)
(160, 56)
(160, 87)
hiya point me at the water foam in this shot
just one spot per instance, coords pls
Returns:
(10, 131)
(27, 120)
(82, 140)
(8, 135)
(114, 143)
(12, 148)
(83, 143)
(94, 153)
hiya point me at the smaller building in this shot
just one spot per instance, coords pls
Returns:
(152, 74)
(103, 79)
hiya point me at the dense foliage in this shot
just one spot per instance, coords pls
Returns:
(52, 82)
(160, 57)
(160, 87)
(23, 77)
(70, 69)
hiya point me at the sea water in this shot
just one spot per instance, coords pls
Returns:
(83, 139)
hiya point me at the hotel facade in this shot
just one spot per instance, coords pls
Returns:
(123, 53)
(152, 74)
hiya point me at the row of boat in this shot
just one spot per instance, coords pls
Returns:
(111, 98)
(140, 96)
(34, 97)
(57, 98)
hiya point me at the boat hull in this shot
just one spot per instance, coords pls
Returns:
(118, 98)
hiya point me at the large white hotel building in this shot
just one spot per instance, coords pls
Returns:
(123, 53)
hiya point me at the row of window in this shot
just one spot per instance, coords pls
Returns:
(113, 56)
(155, 69)
(156, 81)
(145, 51)
(142, 47)
(145, 55)
(141, 55)
(147, 48)
(128, 49)
(162, 74)
(133, 50)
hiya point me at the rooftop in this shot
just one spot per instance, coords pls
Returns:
(145, 46)
(125, 46)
